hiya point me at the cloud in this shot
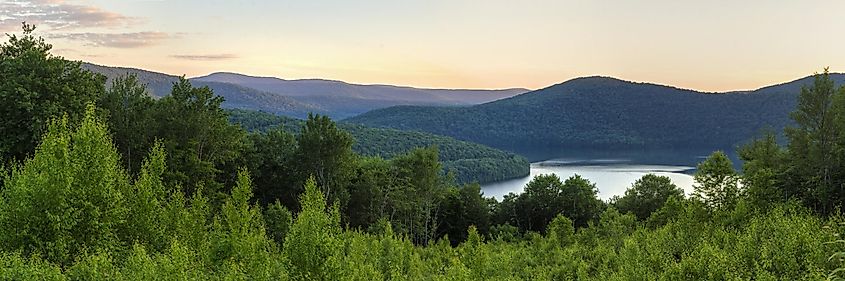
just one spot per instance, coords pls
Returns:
(57, 15)
(208, 57)
(116, 40)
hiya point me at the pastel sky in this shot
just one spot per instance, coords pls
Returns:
(714, 45)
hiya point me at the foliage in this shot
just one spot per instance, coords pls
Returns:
(717, 181)
(35, 87)
(325, 152)
(647, 195)
(545, 197)
(469, 161)
(68, 198)
(75, 210)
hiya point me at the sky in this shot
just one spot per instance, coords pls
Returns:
(714, 45)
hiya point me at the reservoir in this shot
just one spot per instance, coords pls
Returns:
(612, 172)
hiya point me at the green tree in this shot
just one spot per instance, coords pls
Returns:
(545, 197)
(579, 200)
(197, 136)
(647, 195)
(717, 183)
(561, 230)
(239, 237)
(461, 208)
(278, 220)
(313, 237)
(763, 169)
(812, 145)
(130, 111)
(325, 152)
(271, 158)
(37, 86)
(423, 191)
(67, 199)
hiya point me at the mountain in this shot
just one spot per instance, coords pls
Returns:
(470, 161)
(236, 96)
(607, 113)
(345, 99)
(296, 98)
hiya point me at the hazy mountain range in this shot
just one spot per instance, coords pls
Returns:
(602, 112)
(296, 98)
(597, 112)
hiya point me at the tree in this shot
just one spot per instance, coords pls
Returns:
(545, 197)
(717, 181)
(646, 195)
(461, 208)
(561, 230)
(763, 169)
(130, 119)
(278, 220)
(37, 86)
(812, 145)
(579, 201)
(198, 137)
(271, 158)
(313, 237)
(67, 199)
(424, 190)
(325, 152)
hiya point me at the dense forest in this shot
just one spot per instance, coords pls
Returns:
(470, 162)
(114, 185)
(602, 112)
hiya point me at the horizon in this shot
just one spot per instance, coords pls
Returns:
(481, 89)
(718, 46)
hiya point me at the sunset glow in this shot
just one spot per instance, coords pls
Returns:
(703, 45)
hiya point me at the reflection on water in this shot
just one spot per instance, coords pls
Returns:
(611, 177)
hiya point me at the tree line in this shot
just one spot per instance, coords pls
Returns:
(470, 162)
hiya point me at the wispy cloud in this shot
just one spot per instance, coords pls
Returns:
(116, 40)
(207, 57)
(57, 15)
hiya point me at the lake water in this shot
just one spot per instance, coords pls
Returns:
(612, 171)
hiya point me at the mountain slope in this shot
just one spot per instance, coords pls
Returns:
(345, 99)
(470, 161)
(607, 113)
(236, 96)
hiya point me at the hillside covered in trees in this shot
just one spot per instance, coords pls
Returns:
(109, 184)
(468, 161)
(601, 112)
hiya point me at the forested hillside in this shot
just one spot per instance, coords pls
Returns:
(107, 183)
(601, 112)
(469, 161)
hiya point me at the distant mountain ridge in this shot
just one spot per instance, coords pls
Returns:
(351, 99)
(296, 98)
(605, 112)
(235, 96)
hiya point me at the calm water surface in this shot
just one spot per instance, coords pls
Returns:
(612, 171)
